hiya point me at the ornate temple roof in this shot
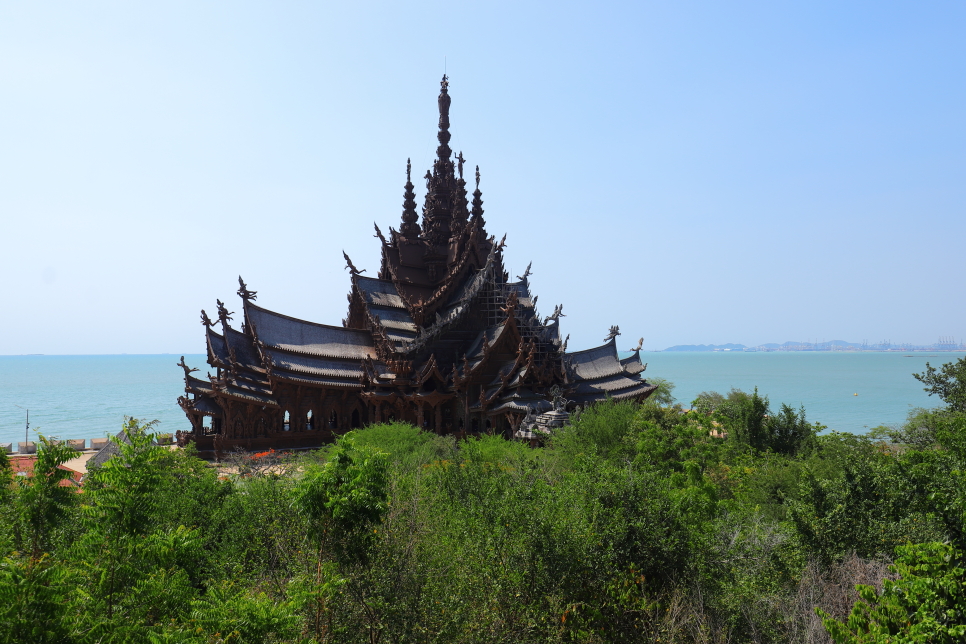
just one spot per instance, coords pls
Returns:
(442, 326)
(284, 332)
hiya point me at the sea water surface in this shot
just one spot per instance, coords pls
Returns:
(88, 396)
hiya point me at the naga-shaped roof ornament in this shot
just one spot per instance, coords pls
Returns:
(187, 370)
(640, 343)
(556, 315)
(379, 234)
(613, 333)
(350, 266)
(526, 273)
(224, 316)
(205, 319)
(243, 291)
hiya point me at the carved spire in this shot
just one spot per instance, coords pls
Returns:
(443, 152)
(461, 213)
(478, 202)
(410, 226)
(441, 182)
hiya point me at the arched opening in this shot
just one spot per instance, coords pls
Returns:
(489, 425)
(262, 432)
(286, 423)
(309, 421)
(206, 424)
(356, 421)
(475, 424)
(215, 425)
(334, 420)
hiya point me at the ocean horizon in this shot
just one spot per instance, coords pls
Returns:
(88, 396)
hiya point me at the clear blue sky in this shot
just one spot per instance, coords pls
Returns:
(696, 172)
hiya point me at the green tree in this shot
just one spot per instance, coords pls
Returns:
(948, 382)
(663, 396)
(927, 603)
(340, 501)
(33, 586)
(45, 498)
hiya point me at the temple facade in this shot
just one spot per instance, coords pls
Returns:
(440, 338)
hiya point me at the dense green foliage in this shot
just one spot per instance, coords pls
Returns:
(948, 382)
(728, 522)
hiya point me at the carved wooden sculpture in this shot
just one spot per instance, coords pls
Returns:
(440, 338)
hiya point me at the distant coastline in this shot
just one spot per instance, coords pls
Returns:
(944, 344)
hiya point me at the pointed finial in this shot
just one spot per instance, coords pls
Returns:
(410, 219)
(443, 152)
(243, 291)
(477, 210)
(460, 161)
(526, 273)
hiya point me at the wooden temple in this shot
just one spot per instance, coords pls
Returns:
(441, 338)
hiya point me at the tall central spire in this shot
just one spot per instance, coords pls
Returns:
(443, 152)
(441, 182)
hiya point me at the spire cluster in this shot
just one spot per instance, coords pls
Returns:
(446, 207)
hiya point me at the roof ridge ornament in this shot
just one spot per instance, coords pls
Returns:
(613, 333)
(526, 273)
(206, 320)
(243, 291)
(640, 343)
(351, 267)
(557, 314)
(224, 316)
(379, 233)
(187, 370)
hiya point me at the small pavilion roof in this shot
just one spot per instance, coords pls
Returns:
(633, 364)
(598, 362)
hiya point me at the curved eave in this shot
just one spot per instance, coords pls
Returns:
(314, 366)
(308, 338)
(315, 381)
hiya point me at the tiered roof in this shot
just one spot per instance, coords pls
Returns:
(440, 325)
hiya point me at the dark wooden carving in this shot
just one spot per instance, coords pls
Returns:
(441, 339)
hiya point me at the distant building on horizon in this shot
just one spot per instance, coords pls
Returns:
(440, 338)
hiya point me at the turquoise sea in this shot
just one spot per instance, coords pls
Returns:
(88, 396)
